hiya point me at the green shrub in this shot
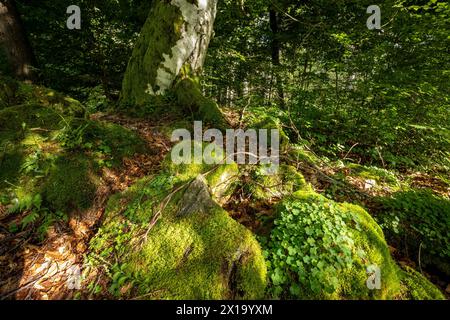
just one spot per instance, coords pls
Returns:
(418, 220)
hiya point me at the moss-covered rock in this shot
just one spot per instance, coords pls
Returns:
(46, 150)
(320, 249)
(285, 181)
(194, 251)
(220, 177)
(14, 93)
(70, 184)
(416, 287)
(417, 223)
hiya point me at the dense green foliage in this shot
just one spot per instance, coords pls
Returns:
(418, 222)
(381, 94)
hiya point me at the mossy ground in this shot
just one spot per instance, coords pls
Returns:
(417, 223)
(48, 148)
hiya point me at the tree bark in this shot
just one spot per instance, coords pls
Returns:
(274, 26)
(14, 41)
(172, 46)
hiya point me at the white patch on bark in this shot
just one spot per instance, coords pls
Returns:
(191, 47)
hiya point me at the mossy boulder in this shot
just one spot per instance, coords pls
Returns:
(194, 251)
(416, 287)
(14, 93)
(417, 223)
(284, 181)
(70, 185)
(320, 249)
(220, 177)
(14, 121)
(45, 150)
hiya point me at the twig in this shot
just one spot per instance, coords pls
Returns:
(345, 158)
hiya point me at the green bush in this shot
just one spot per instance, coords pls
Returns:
(418, 220)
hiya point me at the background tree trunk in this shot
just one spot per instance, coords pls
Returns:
(172, 46)
(276, 55)
(14, 41)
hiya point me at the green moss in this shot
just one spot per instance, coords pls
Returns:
(115, 140)
(221, 180)
(381, 176)
(191, 99)
(14, 121)
(156, 39)
(14, 93)
(416, 287)
(219, 176)
(70, 184)
(284, 182)
(200, 253)
(320, 249)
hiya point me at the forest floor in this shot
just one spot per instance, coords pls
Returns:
(43, 271)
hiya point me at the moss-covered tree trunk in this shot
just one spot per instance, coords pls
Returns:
(172, 47)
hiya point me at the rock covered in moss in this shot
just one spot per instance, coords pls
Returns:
(46, 150)
(14, 93)
(416, 287)
(194, 251)
(320, 249)
(285, 181)
(220, 177)
(417, 222)
(70, 184)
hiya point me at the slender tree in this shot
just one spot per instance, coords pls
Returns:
(14, 41)
(274, 26)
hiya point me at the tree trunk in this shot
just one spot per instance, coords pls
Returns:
(276, 55)
(172, 46)
(14, 41)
